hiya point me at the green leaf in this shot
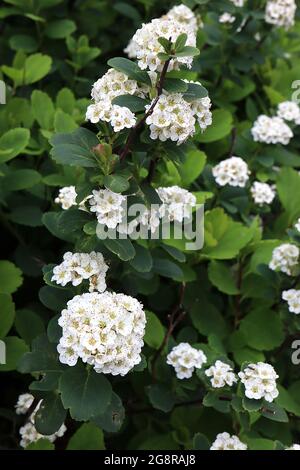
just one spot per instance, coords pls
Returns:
(180, 42)
(75, 148)
(12, 143)
(175, 85)
(42, 358)
(167, 268)
(187, 51)
(288, 184)
(50, 415)
(87, 437)
(154, 332)
(287, 401)
(161, 397)
(192, 166)
(21, 179)
(15, 348)
(48, 382)
(221, 276)
(134, 103)
(123, 248)
(252, 405)
(83, 391)
(195, 92)
(200, 442)
(275, 413)
(221, 126)
(10, 277)
(112, 419)
(41, 444)
(130, 69)
(263, 329)
(65, 100)
(28, 325)
(207, 319)
(43, 109)
(23, 42)
(7, 314)
(116, 183)
(27, 215)
(63, 122)
(37, 66)
(142, 261)
(60, 29)
(216, 400)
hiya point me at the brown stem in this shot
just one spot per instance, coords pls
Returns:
(174, 319)
(139, 124)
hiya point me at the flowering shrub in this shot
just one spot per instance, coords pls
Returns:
(114, 332)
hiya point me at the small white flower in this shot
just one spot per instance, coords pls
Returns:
(23, 404)
(292, 296)
(221, 375)
(271, 130)
(66, 197)
(184, 358)
(233, 171)
(285, 258)
(289, 111)
(260, 381)
(297, 225)
(262, 193)
(293, 447)
(281, 13)
(226, 18)
(224, 441)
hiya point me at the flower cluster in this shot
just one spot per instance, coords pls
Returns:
(226, 18)
(293, 447)
(292, 296)
(79, 266)
(224, 441)
(289, 111)
(260, 381)
(281, 13)
(28, 432)
(262, 193)
(174, 118)
(233, 171)
(108, 207)
(177, 203)
(221, 374)
(104, 330)
(184, 358)
(238, 3)
(66, 197)
(104, 90)
(271, 130)
(145, 45)
(285, 258)
(185, 16)
(23, 404)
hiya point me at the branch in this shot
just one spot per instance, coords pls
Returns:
(139, 124)
(174, 319)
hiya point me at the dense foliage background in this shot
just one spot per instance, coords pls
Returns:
(52, 51)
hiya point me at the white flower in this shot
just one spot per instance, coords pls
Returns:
(260, 381)
(281, 13)
(23, 404)
(28, 432)
(145, 46)
(226, 442)
(184, 358)
(238, 3)
(177, 203)
(79, 266)
(104, 330)
(226, 18)
(289, 111)
(233, 171)
(271, 130)
(262, 193)
(292, 296)
(183, 15)
(284, 258)
(221, 374)
(174, 118)
(66, 197)
(108, 87)
(293, 447)
(108, 207)
(297, 225)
